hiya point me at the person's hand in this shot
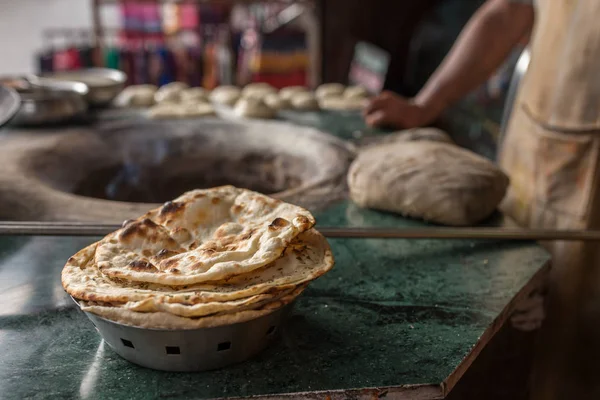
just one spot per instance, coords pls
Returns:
(390, 109)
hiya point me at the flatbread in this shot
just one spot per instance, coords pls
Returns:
(356, 92)
(342, 103)
(307, 258)
(165, 111)
(204, 235)
(435, 181)
(258, 90)
(162, 320)
(276, 102)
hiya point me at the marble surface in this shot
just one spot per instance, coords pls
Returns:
(391, 312)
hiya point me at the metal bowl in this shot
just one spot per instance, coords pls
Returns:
(192, 349)
(10, 102)
(48, 102)
(104, 83)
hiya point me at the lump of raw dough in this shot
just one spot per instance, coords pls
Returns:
(170, 92)
(253, 108)
(194, 95)
(437, 182)
(408, 135)
(342, 103)
(165, 111)
(304, 101)
(196, 110)
(330, 89)
(287, 93)
(356, 92)
(275, 101)
(136, 96)
(258, 90)
(226, 95)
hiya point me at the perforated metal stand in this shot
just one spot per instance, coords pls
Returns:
(194, 349)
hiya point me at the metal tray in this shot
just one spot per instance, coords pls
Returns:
(193, 349)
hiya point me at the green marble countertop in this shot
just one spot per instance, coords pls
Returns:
(391, 312)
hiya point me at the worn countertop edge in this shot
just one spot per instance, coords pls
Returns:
(450, 382)
(412, 392)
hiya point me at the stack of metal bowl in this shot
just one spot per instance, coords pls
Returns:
(62, 97)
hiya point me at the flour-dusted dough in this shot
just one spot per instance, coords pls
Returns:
(196, 110)
(258, 90)
(165, 111)
(356, 92)
(251, 107)
(170, 92)
(342, 103)
(276, 102)
(330, 89)
(437, 182)
(304, 101)
(287, 93)
(136, 96)
(194, 95)
(226, 95)
(408, 135)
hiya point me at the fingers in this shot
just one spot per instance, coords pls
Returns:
(376, 119)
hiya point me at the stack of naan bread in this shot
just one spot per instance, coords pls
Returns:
(208, 258)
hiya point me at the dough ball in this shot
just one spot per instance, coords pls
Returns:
(197, 110)
(342, 103)
(330, 89)
(253, 108)
(275, 101)
(408, 135)
(170, 92)
(226, 95)
(437, 182)
(356, 92)
(258, 90)
(136, 96)
(304, 101)
(165, 111)
(194, 95)
(287, 93)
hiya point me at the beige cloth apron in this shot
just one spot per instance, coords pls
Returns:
(552, 143)
(551, 153)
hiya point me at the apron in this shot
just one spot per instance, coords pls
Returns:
(551, 147)
(551, 154)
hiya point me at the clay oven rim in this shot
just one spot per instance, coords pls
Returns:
(31, 160)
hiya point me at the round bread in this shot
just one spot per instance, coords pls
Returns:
(194, 95)
(162, 320)
(304, 101)
(204, 235)
(286, 93)
(251, 107)
(408, 135)
(226, 95)
(307, 258)
(437, 182)
(170, 92)
(330, 89)
(136, 96)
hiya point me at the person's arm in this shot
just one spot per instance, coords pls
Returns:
(480, 49)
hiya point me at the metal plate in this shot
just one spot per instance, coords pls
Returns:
(10, 101)
(194, 349)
